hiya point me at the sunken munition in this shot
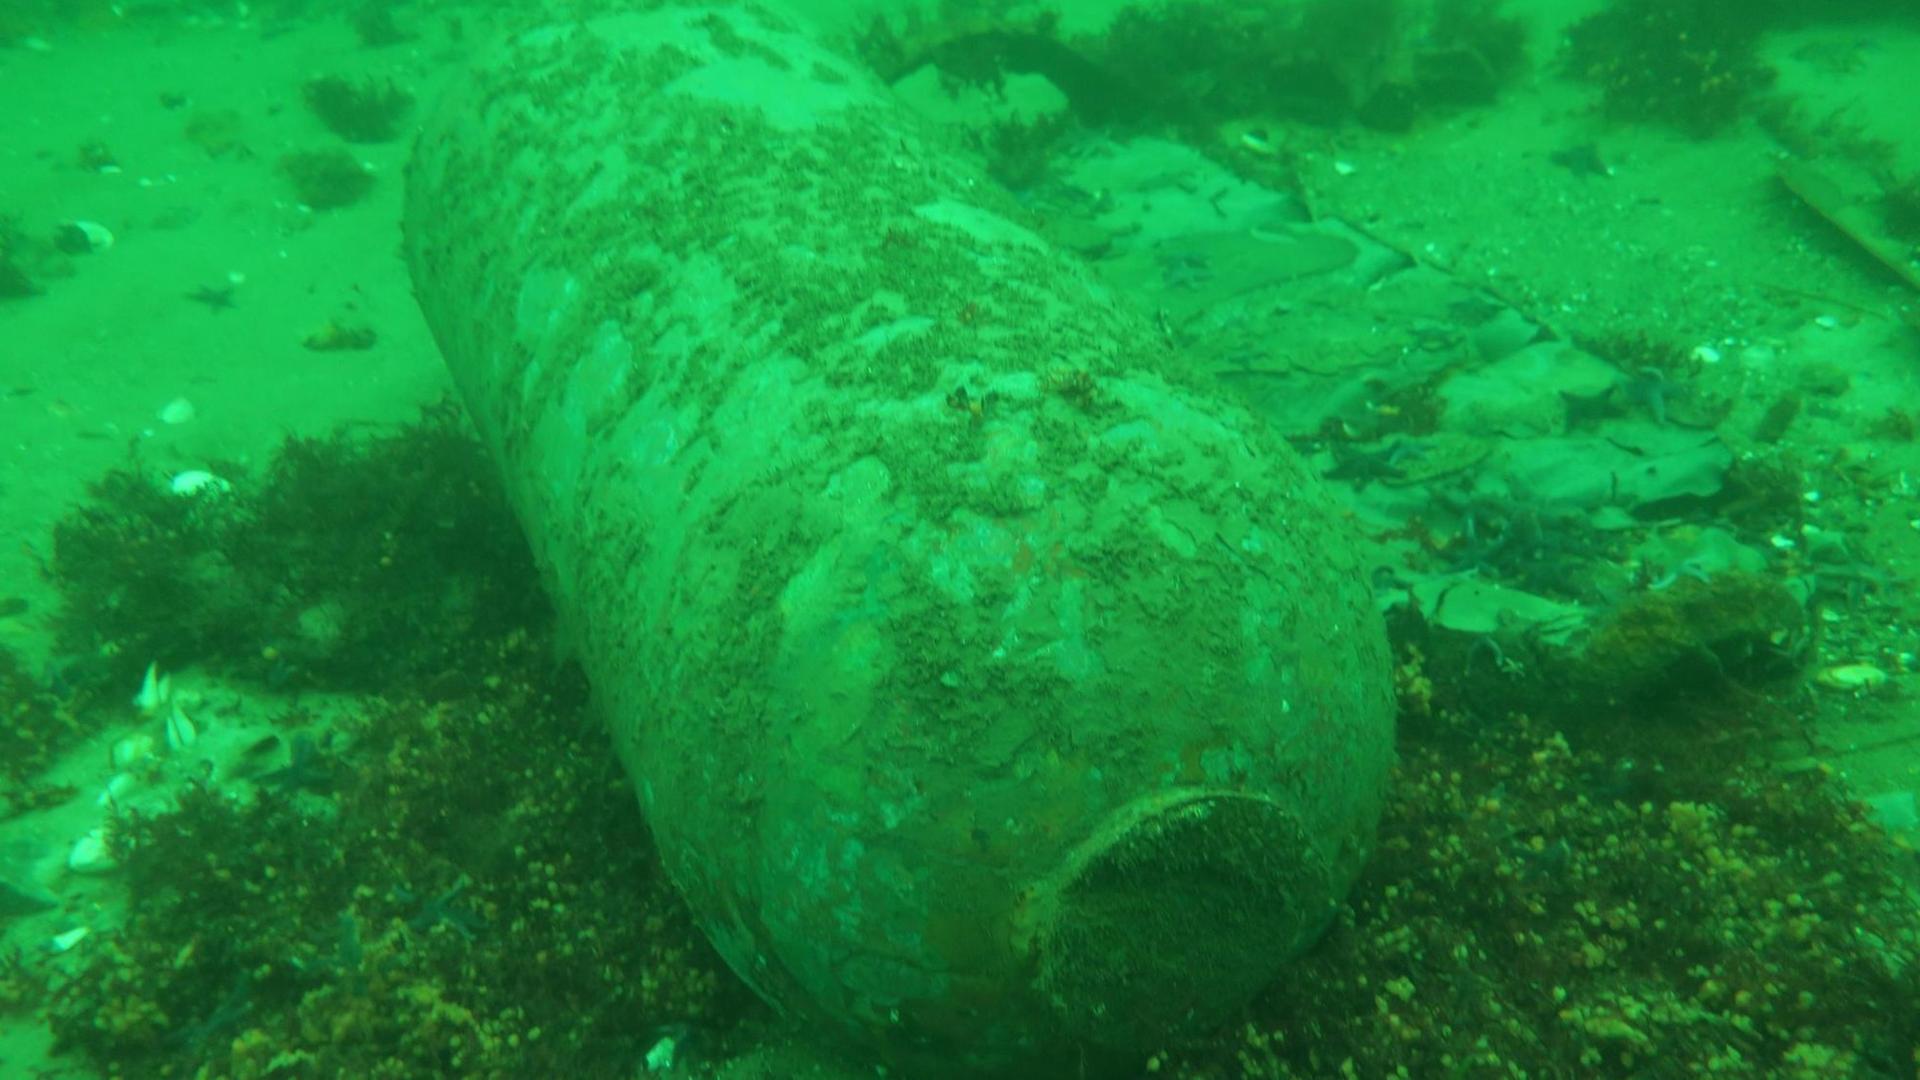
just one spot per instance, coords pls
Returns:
(994, 697)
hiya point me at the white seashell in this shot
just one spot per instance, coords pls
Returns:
(155, 690)
(117, 787)
(89, 854)
(133, 750)
(660, 1057)
(1852, 677)
(180, 730)
(98, 236)
(177, 411)
(64, 941)
(196, 481)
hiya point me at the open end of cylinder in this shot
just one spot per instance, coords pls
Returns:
(1174, 913)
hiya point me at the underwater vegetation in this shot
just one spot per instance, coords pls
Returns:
(367, 111)
(475, 895)
(1693, 64)
(15, 282)
(1381, 63)
(1542, 903)
(452, 878)
(1588, 865)
(360, 560)
(326, 179)
(36, 726)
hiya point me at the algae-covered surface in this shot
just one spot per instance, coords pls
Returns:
(1598, 316)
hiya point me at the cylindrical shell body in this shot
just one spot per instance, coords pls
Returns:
(992, 696)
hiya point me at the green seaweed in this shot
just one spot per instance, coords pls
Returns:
(1691, 64)
(266, 935)
(368, 111)
(359, 560)
(327, 179)
(36, 726)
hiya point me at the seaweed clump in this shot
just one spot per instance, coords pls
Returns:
(478, 898)
(327, 179)
(1376, 62)
(1383, 63)
(1540, 903)
(1693, 64)
(1731, 631)
(36, 724)
(368, 111)
(16, 279)
(354, 562)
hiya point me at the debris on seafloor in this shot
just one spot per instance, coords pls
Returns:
(1828, 199)
(339, 336)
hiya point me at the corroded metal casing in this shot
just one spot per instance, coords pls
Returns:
(992, 696)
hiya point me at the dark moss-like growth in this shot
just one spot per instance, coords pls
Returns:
(1196, 66)
(376, 26)
(1019, 152)
(1328, 62)
(1693, 64)
(15, 284)
(1732, 631)
(392, 557)
(479, 898)
(1900, 210)
(355, 562)
(21, 987)
(143, 577)
(1543, 906)
(369, 111)
(16, 280)
(327, 179)
(36, 724)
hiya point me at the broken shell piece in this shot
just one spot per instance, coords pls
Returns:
(335, 336)
(155, 690)
(177, 411)
(1852, 677)
(63, 941)
(89, 854)
(118, 786)
(198, 481)
(132, 750)
(180, 730)
(660, 1055)
(82, 237)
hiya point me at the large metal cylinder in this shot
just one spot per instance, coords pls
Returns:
(992, 697)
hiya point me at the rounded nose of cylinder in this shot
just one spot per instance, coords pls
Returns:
(1174, 912)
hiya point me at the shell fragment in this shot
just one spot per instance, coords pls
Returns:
(1852, 677)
